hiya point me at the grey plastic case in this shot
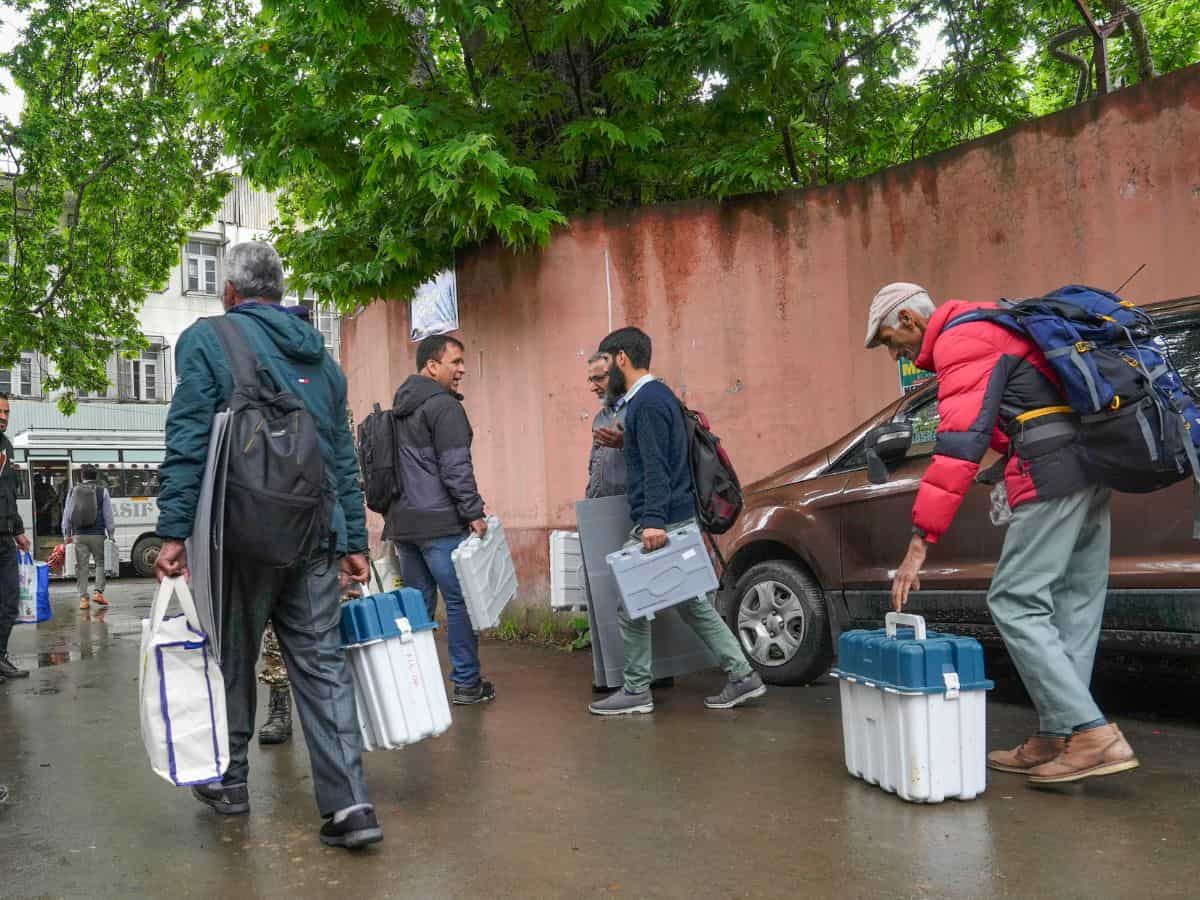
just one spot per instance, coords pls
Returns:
(651, 582)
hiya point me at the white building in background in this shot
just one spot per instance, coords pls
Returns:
(121, 429)
(192, 292)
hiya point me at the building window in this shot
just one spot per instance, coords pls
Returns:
(22, 380)
(144, 378)
(200, 267)
(321, 316)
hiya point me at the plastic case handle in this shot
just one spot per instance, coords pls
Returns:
(892, 619)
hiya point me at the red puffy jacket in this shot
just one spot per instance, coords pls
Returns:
(992, 383)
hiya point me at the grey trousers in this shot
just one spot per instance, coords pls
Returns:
(303, 606)
(87, 548)
(1047, 599)
(700, 617)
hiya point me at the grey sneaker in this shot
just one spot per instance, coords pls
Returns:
(736, 693)
(8, 670)
(621, 703)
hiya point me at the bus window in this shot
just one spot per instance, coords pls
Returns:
(141, 482)
(109, 478)
(22, 481)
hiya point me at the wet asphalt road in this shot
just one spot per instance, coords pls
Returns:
(532, 798)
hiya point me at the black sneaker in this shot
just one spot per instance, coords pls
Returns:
(8, 670)
(354, 832)
(227, 799)
(482, 692)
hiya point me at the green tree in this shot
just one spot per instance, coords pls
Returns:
(104, 174)
(401, 131)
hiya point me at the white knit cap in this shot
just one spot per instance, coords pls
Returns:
(887, 301)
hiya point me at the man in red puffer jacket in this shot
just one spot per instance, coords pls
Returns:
(996, 389)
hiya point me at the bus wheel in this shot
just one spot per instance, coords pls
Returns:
(145, 555)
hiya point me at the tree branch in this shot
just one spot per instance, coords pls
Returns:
(79, 190)
(786, 130)
(578, 84)
(1139, 40)
(1085, 69)
(469, 63)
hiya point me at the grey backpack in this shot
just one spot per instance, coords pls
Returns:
(85, 510)
(277, 505)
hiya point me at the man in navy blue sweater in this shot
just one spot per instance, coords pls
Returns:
(659, 483)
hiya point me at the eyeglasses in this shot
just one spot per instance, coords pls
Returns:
(598, 379)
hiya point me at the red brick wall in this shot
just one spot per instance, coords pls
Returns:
(757, 306)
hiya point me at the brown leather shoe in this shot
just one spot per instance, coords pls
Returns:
(1036, 751)
(1100, 751)
(99, 599)
(84, 603)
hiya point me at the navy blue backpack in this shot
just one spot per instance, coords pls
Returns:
(1139, 421)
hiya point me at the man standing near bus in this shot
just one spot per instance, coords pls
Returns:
(87, 522)
(12, 539)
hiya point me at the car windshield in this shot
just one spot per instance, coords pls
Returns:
(1180, 332)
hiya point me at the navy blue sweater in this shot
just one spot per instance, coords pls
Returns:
(659, 476)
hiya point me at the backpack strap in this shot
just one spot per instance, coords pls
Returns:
(243, 361)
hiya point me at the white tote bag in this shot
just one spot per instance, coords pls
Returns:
(182, 693)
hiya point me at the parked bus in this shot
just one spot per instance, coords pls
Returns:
(50, 463)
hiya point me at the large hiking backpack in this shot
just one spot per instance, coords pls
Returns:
(278, 508)
(718, 491)
(377, 446)
(1139, 421)
(85, 509)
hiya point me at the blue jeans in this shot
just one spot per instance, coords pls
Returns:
(426, 566)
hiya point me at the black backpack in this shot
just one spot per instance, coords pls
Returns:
(85, 509)
(277, 506)
(718, 491)
(377, 447)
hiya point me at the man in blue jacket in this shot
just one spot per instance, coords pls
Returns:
(302, 602)
(661, 498)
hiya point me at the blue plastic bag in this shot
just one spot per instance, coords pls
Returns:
(34, 602)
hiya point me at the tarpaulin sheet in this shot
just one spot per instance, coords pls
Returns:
(604, 526)
(204, 546)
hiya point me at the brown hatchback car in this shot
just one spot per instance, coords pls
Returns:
(814, 551)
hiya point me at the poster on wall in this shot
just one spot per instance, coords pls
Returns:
(911, 377)
(434, 307)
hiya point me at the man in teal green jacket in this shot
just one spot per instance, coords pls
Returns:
(301, 602)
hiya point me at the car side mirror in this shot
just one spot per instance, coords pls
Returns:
(888, 443)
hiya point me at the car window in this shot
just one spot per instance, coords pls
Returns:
(1182, 337)
(924, 419)
(921, 412)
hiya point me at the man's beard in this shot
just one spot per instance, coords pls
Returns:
(618, 386)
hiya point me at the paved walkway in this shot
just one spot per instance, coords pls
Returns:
(532, 798)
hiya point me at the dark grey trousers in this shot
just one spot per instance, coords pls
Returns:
(302, 604)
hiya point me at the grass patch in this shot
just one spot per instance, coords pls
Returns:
(567, 631)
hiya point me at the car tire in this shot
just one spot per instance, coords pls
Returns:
(145, 555)
(779, 617)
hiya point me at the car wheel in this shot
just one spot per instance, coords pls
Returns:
(145, 555)
(780, 620)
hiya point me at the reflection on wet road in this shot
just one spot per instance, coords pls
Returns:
(531, 798)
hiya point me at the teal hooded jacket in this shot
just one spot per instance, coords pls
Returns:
(294, 353)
